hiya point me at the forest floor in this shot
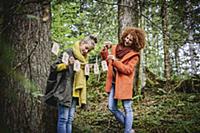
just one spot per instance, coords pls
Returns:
(158, 111)
(176, 112)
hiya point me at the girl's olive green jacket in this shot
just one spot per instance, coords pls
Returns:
(59, 84)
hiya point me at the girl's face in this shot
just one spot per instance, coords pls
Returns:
(128, 40)
(85, 48)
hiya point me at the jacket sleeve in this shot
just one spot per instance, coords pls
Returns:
(126, 68)
(61, 67)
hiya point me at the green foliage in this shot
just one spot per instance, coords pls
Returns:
(160, 112)
(155, 112)
(175, 112)
(72, 20)
(182, 19)
(65, 18)
(96, 84)
(169, 113)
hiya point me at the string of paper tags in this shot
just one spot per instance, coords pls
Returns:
(77, 63)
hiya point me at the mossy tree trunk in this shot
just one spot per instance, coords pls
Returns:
(25, 58)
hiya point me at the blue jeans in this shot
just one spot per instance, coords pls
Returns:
(126, 119)
(65, 117)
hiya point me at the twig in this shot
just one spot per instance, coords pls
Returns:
(20, 63)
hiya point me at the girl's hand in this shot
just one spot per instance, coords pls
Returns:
(71, 60)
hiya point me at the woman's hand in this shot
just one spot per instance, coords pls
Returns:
(111, 57)
(107, 45)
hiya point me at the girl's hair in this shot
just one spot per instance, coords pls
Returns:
(138, 37)
(91, 39)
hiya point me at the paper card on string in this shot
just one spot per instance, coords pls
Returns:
(65, 58)
(77, 65)
(55, 48)
(87, 69)
(96, 68)
(104, 65)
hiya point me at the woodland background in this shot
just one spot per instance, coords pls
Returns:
(166, 94)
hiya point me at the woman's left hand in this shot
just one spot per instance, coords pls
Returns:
(111, 57)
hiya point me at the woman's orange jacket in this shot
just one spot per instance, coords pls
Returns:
(125, 71)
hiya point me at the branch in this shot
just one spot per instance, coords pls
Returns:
(21, 63)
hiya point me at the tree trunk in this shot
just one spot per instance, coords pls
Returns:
(167, 68)
(127, 14)
(26, 55)
(142, 75)
(193, 65)
(176, 60)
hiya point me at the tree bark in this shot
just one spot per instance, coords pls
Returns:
(167, 68)
(25, 43)
(127, 14)
(193, 65)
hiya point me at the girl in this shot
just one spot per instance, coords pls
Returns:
(70, 85)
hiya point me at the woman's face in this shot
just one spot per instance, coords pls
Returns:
(128, 40)
(85, 48)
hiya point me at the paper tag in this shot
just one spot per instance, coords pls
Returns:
(77, 65)
(96, 68)
(104, 65)
(55, 48)
(87, 69)
(65, 58)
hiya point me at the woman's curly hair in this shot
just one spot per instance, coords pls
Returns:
(138, 37)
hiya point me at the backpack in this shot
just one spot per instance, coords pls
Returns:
(49, 97)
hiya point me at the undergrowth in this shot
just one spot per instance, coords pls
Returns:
(173, 112)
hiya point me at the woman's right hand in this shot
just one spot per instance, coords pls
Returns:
(107, 45)
(104, 52)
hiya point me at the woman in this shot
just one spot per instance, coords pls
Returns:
(121, 69)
